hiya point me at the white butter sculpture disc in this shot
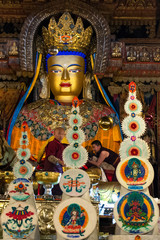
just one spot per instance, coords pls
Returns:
(75, 218)
(19, 220)
(75, 182)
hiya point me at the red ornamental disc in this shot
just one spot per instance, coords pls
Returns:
(75, 155)
(23, 154)
(75, 121)
(133, 107)
(134, 151)
(23, 170)
(23, 141)
(133, 126)
(75, 136)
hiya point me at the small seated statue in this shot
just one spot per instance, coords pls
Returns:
(116, 53)
(144, 55)
(156, 55)
(13, 49)
(131, 55)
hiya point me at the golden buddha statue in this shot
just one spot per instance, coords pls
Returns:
(66, 43)
(13, 49)
(116, 53)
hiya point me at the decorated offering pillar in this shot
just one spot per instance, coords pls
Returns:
(75, 216)
(136, 212)
(19, 219)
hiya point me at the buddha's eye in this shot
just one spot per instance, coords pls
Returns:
(74, 70)
(56, 71)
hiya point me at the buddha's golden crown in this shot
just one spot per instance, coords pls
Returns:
(67, 36)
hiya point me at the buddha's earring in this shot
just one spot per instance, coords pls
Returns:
(45, 90)
(87, 86)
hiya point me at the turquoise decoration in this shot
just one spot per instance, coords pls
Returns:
(70, 186)
(74, 182)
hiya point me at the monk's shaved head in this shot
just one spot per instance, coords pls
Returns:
(59, 133)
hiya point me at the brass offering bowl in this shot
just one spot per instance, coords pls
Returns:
(8, 177)
(47, 177)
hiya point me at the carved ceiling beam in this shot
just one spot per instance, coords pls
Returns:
(115, 89)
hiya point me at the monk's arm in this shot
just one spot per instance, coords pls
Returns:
(55, 160)
(103, 155)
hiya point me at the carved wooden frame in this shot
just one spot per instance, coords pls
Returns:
(81, 9)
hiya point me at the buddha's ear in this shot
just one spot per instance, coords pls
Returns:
(87, 86)
(45, 90)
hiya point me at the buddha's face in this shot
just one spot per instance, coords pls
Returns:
(66, 75)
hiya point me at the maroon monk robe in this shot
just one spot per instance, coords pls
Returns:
(54, 148)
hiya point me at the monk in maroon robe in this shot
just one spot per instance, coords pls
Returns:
(54, 149)
(107, 159)
(53, 161)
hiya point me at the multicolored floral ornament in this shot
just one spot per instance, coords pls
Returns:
(23, 153)
(23, 169)
(20, 189)
(75, 157)
(132, 87)
(24, 134)
(134, 148)
(133, 107)
(75, 136)
(76, 102)
(24, 141)
(75, 120)
(133, 126)
(19, 220)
